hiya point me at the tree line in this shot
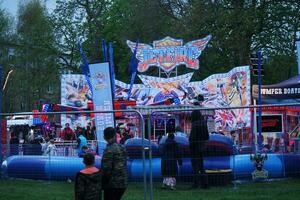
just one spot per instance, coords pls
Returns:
(40, 46)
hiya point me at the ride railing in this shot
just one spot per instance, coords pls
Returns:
(67, 149)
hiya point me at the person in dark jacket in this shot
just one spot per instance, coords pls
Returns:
(198, 137)
(88, 181)
(14, 144)
(169, 159)
(114, 167)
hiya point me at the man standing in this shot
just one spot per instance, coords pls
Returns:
(198, 137)
(114, 167)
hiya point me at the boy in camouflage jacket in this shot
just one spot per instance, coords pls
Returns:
(114, 167)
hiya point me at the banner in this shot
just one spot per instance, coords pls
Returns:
(288, 89)
(102, 98)
(75, 92)
(219, 90)
(169, 53)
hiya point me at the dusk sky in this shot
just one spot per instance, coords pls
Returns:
(12, 5)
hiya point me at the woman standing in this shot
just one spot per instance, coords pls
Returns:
(169, 159)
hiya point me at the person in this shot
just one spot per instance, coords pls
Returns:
(88, 184)
(45, 143)
(84, 151)
(89, 132)
(114, 167)
(197, 140)
(51, 149)
(233, 137)
(161, 134)
(179, 132)
(126, 135)
(276, 146)
(33, 148)
(81, 141)
(169, 159)
(14, 144)
(118, 135)
(286, 141)
(67, 133)
(79, 130)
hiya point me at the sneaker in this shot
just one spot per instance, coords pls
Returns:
(172, 188)
(164, 186)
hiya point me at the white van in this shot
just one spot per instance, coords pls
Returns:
(20, 120)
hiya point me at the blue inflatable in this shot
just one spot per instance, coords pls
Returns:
(134, 148)
(63, 168)
(221, 154)
(43, 167)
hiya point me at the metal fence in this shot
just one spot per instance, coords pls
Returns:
(161, 155)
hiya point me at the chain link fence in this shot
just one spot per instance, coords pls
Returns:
(162, 152)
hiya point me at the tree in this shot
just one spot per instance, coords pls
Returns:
(6, 51)
(79, 20)
(240, 27)
(36, 72)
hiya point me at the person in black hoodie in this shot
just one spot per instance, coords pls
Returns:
(88, 183)
(169, 159)
(198, 137)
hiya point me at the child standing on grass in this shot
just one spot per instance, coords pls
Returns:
(169, 159)
(88, 183)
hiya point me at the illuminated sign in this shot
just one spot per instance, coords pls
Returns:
(271, 123)
(169, 53)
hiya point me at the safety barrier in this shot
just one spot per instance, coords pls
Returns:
(242, 156)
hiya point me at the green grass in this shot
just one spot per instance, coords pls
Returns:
(40, 190)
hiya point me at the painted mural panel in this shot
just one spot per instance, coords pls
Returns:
(220, 90)
(75, 93)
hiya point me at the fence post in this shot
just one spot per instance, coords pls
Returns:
(259, 139)
(150, 158)
(1, 155)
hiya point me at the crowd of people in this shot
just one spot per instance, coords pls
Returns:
(44, 139)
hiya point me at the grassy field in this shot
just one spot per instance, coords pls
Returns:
(37, 190)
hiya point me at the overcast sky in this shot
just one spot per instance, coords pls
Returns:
(11, 6)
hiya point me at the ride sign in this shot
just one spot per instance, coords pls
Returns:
(169, 53)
